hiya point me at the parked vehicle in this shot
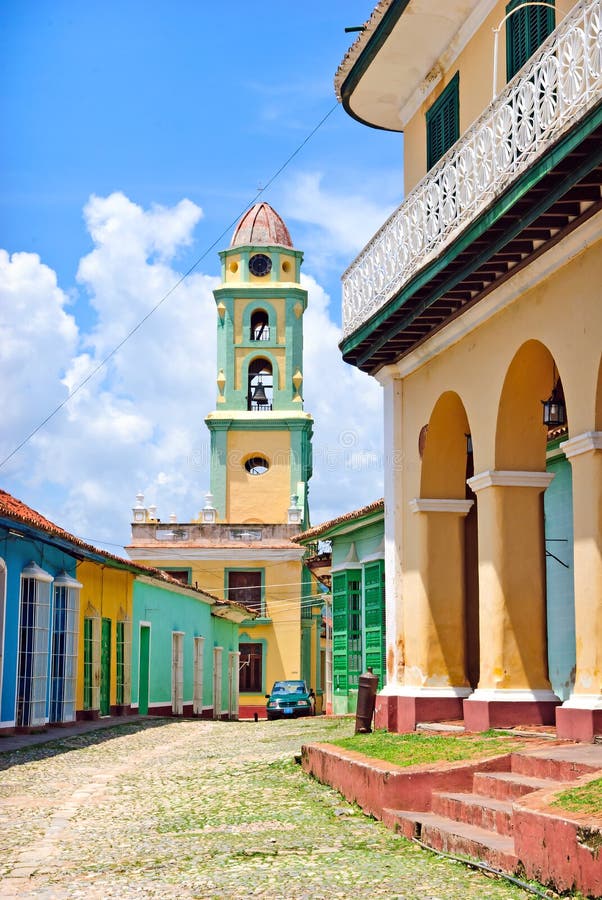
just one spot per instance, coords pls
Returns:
(289, 698)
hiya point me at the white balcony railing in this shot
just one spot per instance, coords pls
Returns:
(556, 87)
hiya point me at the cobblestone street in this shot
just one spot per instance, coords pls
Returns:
(200, 809)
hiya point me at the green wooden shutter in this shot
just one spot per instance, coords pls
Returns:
(526, 29)
(120, 663)
(87, 663)
(374, 618)
(354, 628)
(443, 122)
(339, 633)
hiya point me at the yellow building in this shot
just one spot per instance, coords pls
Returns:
(475, 302)
(240, 545)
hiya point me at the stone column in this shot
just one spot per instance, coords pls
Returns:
(580, 717)
(435, 673)
(386, 702)
(513, 687)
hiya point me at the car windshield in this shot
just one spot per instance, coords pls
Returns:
(289, 687)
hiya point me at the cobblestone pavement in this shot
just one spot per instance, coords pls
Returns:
(165, 808)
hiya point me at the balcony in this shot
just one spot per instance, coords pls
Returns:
(465, 225)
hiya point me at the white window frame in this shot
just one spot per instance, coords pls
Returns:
(65, 694)
(197, 676)
(33, 712)
(177, 673)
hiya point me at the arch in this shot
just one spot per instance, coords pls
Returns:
(259, 305)
(266, 367)
(259, 329)
(449, 544)
(521, 436)
(260, 385)
(444, 462)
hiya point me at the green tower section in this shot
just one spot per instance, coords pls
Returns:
(260, 434)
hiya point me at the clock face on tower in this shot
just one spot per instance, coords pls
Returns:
(260, 264)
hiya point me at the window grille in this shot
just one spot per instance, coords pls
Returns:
(65, 617)
(233, 665)
(217, 682)
(32, 658)
(124, 662)
(443, 122)
(92, 662)
(197, 676)
(177, 673)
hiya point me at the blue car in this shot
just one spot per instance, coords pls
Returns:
(289, 699)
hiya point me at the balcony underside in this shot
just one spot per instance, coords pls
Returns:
(551, 199)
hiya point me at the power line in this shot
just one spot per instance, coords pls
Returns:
(174, 287)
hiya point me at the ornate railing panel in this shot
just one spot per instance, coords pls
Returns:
(556, 87)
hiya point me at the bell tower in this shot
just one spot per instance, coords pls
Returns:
(260, 434)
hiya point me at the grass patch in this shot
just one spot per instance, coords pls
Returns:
(586, 799)
(414, 749)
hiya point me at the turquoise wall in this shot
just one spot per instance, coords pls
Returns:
(18, 552)
(168, 611)
(558, 510)
(367, 540)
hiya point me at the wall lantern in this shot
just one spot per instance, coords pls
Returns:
(554, 410)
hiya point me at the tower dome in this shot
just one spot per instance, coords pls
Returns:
(261, 225)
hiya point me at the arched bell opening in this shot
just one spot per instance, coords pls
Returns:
(260, 326)
(260, 393)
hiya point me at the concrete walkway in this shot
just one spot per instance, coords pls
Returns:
(183, 809)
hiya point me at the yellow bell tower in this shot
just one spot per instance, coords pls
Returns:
(260, 435)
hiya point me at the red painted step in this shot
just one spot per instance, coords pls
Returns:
(510, 785)
(474, 809)
(456, 838)
(560, 763)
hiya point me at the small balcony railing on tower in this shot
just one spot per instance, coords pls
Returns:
(260, 333)
(553, 92)
(259, 407)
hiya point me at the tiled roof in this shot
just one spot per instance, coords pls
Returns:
(359, 44)
(19, 512)
(261, 225)
(317, 530)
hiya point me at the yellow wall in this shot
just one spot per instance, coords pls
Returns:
(242, 355)
(239, 309)
(556, 321)
(475, 65)
(258, 498)
(282, 590)
(107, 593)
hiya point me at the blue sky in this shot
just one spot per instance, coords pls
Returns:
(134, 133)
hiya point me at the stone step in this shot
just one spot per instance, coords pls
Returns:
(456, 838)
(509, 785)
(474, 809)
(561, 763)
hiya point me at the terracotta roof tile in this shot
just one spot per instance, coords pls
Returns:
(317, 530)
(261, 225)
(19, 512)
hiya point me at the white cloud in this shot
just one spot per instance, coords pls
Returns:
(337, 223)
(138, 424)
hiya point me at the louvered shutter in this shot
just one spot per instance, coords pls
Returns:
(374, 618)
(526, 29)
(443, 122)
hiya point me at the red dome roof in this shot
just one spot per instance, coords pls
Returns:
(261, 225)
